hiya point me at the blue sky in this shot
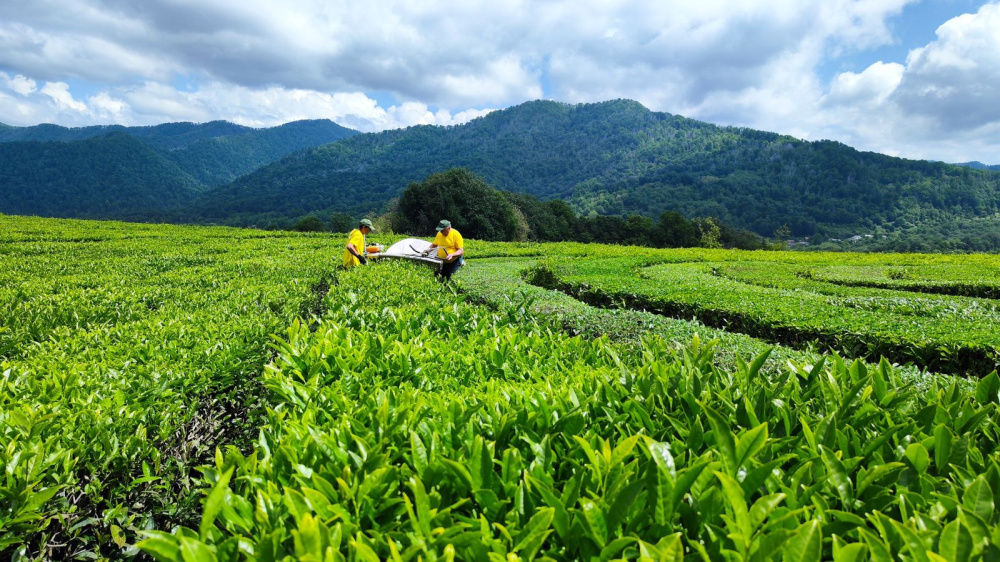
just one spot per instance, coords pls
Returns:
(914, 26)
(912, 78)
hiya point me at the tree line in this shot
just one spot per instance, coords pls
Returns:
(480, 211)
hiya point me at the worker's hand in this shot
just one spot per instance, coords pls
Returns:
(447, 257)
(362, 259)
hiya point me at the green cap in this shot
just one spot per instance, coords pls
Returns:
(443, 225)
(366, 222)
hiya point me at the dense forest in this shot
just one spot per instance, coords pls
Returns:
(137, 172)
(167, 135)
(480, 211)
(113, 176)
(617, 158)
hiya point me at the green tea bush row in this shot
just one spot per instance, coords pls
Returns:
(127, 353)
(969, 280)
(945, 334)
(414, 425)
(499, 284)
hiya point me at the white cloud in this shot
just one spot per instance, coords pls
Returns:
(59, 93)
(415, 113)
(503, 79)
(943, 104)
(153, 103)
(475, 53)
(750, 63)
(107, 108)
(19, 84)
(14, 110)
(955, 80)
(871, 86)
(56, 54)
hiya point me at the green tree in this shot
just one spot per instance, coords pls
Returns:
(475, 208)
(638, 230)
(711, 234)
(342, 222)
(783, 233)
(309, 223)
(674, 231)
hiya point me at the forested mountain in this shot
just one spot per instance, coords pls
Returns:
(113, 176)
(166, 135)
(980, 166)
(83, 172)
(221, 159)
(618, 157)
(610, 158)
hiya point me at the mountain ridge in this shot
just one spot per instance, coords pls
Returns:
(977, 165)
(617, 157)
(608, 158)
(182, 160)
(103, 184)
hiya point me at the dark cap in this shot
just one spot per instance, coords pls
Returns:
(443, 225)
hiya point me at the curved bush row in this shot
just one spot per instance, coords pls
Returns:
(498, 283)
(768, 300)
(412, 425)
(975, 280)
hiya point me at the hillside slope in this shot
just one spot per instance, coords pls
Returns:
(166, 135)
(82, 172)
(114, 176)
(618, 157)
(221, 159)
(980, 166)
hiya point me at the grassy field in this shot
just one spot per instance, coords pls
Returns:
(222, 394)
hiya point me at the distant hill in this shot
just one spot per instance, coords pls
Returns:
(166, 135)
(113, 176)
(50, 170)
(221, 159)
(980, 166)
(618, 157)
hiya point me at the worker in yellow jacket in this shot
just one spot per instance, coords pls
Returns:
(354, 250)
(450, 249)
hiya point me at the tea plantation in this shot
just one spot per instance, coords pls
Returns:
(182, 393)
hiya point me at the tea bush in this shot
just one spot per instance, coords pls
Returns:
(413, 424)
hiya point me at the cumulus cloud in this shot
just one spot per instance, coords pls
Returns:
(473, 54)
(943, 103)
(58, 92)
(955, 80)
(104, 107)
(58, 54)
(869, 87)
(390, 63)
(152, 103)
(19, 84)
